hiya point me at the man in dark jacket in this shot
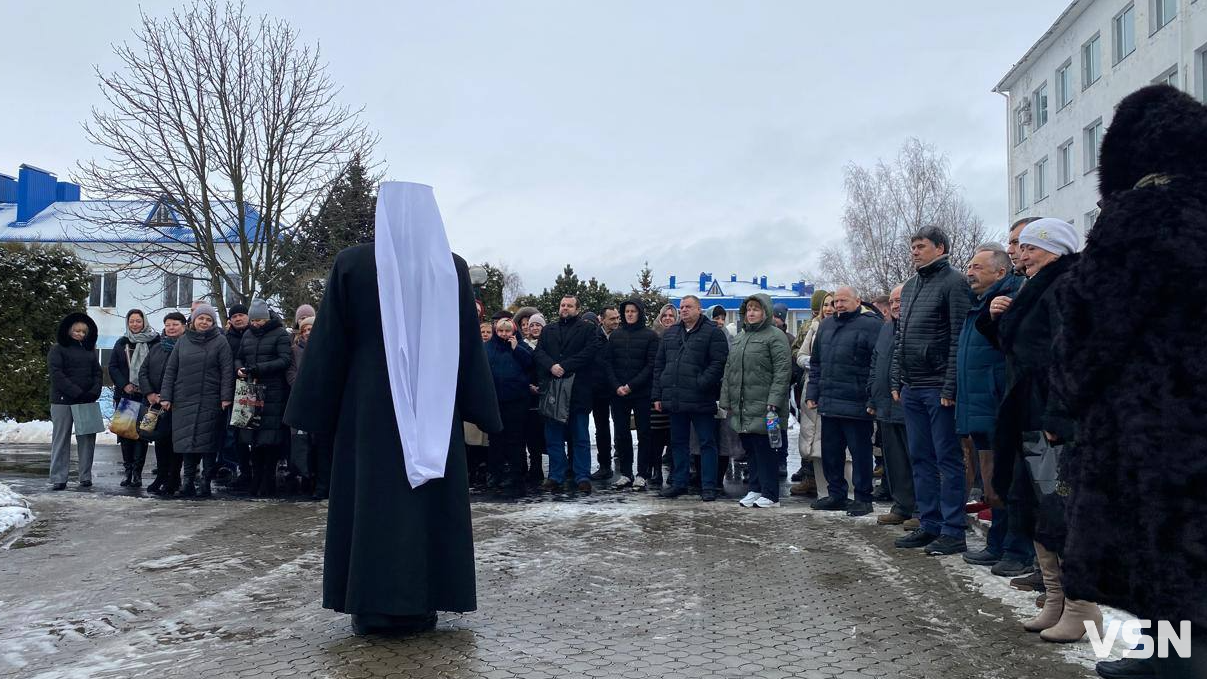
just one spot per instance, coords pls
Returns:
(981, 373)
(629, 370)
(934, 305)
(839, 365)
(601, 397)
(570, 348)
(687, 384)
(891, 420)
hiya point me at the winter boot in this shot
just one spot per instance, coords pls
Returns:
(128, 477)
(1071, 627)
(1054, 604)
(156, 486)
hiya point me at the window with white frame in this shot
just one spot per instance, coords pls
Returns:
(1163, 12)
(177, 291)
(1064, 164)
(1064, 85)
(1123, 33)
(103, 290)
(1020, 192)
(1169, 77)
(1041, 179)
(1092, 141)
(234, 290)
(1040, 105)
(1091, 61)
(1090, 218)
(1020, 125)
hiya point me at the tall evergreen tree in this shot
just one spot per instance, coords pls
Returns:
(592, 295)
(647, 292)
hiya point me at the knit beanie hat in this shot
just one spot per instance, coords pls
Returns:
(205, 310)
(304, 311)
(590, 317)
(236, 309)
(305, 323)
(1055, 236)
(538, 319)
(780, 311)
(815, 304)
(259, 310)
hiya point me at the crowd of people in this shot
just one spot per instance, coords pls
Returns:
(184, 376)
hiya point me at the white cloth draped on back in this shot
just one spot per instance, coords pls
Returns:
(418, 287)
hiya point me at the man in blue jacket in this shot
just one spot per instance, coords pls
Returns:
(981, 374)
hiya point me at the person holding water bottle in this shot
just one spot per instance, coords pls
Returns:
(754, 393)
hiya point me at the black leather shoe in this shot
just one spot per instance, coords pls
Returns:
(1007, 568)
(917, 538)
(59, 486)
(859, 508)
(830, 503)
(945, 545)
(673, 492)
(982, 557)
(708, 496)
(602, 474)
(1126, 668)
(85, 484)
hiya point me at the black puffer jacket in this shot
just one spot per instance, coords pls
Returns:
(199, 377)
(840, 363)
(934, 305)
(75, 369)
(234, 338)
(265, 353)
(689, 367)
(630, 355)
(880, 397)
(574, 344)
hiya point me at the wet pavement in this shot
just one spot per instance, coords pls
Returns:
(112, 583)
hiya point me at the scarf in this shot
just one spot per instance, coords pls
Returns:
(140, 340)
(419, 296)
(168, 343)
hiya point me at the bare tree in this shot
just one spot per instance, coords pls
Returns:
(227, 127)
(885, 205)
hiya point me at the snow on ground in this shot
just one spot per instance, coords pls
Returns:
(14, 511)
(39, 431)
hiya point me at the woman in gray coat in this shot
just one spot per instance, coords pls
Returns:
(198, 387)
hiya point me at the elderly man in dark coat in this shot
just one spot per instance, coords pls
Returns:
(396, 553)
(1137, 383)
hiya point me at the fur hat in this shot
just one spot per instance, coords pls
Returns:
(1053, 235)
(1156, 130)
(236, 309)
(259, 311)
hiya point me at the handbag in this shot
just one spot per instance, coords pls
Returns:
(86, 419)
(299, 453)
(148, 426)
(1042, 458)
(124, 422)
(249, 404)
(555, 402)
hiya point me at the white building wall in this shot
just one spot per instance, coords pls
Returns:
(1180, 44)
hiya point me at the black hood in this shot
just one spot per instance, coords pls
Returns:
(64, 335)
(272, 324)
(640, 314)
(1156, 130)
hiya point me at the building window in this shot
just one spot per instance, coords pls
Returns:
(1169, 77)
(1091, 218)
(234, 290)
(103, 291)
(1123, 30)
(1064, 85)
(1040, 105)
(1064, 164)
(1092, 140)
(1020, 124)
(1020, 192)
(1163, 12)
(1041, 180)
(1091, 62)
(162, 215)
(177, 291)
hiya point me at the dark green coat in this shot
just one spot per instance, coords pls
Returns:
(757, 372)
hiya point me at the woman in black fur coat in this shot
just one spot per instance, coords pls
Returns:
(1137, 383)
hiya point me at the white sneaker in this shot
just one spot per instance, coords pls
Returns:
(622, 482)
(640, 483)
(749, 499)
(765, 503)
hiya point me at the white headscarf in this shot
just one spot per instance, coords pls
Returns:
(418, 288)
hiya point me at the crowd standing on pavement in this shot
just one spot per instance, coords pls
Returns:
(1024, 379)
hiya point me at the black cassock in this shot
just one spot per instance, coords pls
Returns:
(391, 549)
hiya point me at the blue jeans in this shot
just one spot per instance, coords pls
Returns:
(705, 425)
(1007, 543)
(937, 460)
(839, 434)
(555, 441)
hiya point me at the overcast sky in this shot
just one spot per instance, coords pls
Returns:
(700, 136)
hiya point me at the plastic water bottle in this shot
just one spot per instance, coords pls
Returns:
(774, 434)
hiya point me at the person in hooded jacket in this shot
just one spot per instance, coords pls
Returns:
(758, 376)
(129, 353)
(264, 358)
(150, 384)
(75, 380)
(629, 371)
(1138, 480)
(510, 366)
(198, 387)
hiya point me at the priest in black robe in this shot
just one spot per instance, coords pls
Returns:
(396, 552)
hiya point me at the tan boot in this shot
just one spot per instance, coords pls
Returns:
(1071, 627)
(1054, 604)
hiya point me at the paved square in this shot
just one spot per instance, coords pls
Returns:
(111, 584)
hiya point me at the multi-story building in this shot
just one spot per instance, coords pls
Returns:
(1062, 94)
(730, 295)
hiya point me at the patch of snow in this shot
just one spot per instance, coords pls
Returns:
(39, 431)
(14, 511)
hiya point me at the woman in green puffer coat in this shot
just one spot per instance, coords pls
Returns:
(757, 376)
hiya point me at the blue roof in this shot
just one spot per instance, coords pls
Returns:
(109, 221)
